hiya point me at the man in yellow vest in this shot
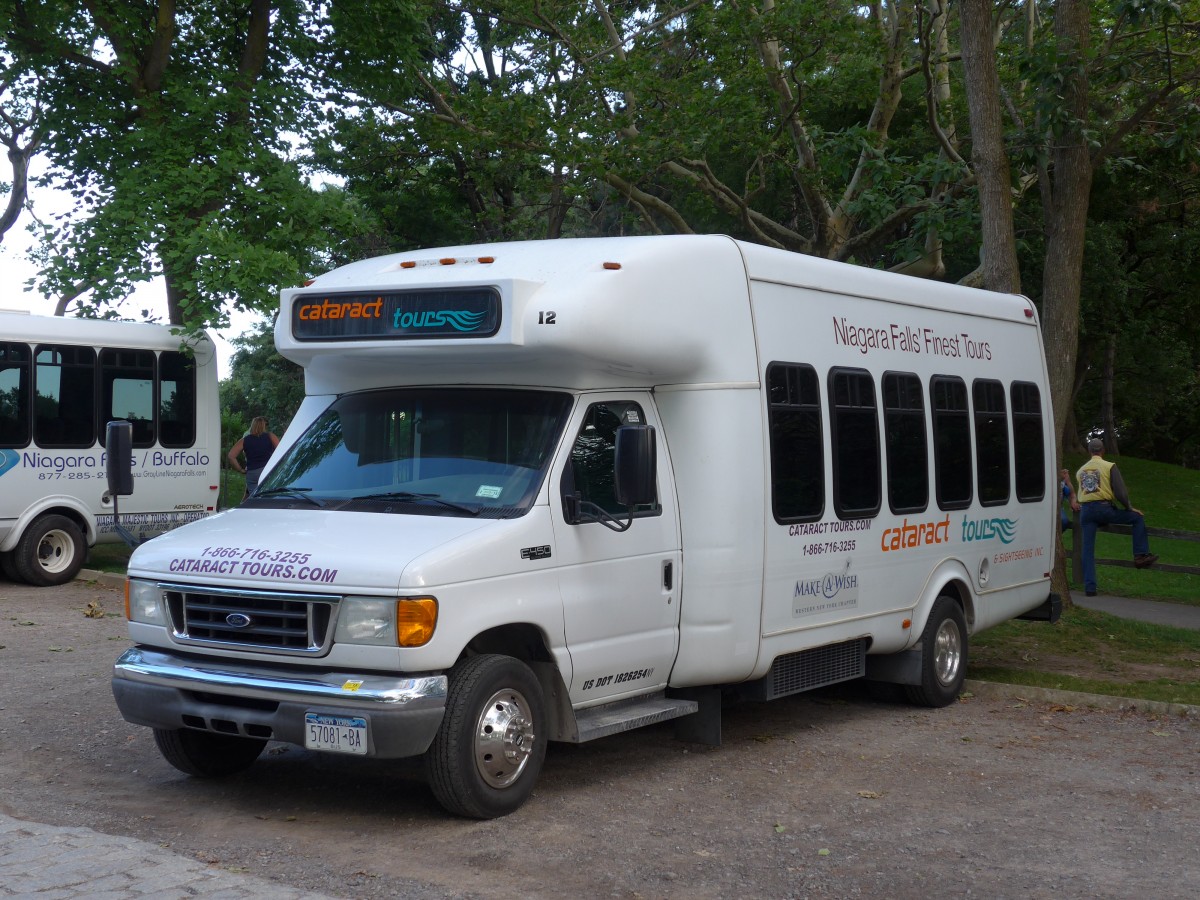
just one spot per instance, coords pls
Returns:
(1100, 484)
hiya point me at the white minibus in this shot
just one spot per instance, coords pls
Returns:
(550, 491)
(61, 380)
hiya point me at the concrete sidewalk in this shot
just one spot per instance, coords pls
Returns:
(1154, 611)
(69, 863)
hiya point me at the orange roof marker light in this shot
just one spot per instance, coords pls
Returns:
(446, 261)
(612, 266)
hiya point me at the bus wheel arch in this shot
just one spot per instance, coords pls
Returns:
(51, 550)
(944, 645)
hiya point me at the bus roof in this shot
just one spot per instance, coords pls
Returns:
(98, 332)
(576, 313)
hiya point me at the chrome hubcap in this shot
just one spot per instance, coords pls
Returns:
(504, 738)
(947, 653)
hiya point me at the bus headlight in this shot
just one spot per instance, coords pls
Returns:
(144, 602)
(406, 622)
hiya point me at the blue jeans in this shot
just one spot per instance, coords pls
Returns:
(1100, 512)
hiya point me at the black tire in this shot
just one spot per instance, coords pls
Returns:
(8, 566)
(492, 742)
(943, 656)
(51, 551)
(206, 754)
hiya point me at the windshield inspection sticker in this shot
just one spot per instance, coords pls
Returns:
(490, 491)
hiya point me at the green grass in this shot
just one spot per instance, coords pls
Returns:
(1095, 653)
(1169, 496)
(109, 557)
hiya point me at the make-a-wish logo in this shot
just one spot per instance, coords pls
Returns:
(986, 529)
(832, 584)
(832, 592)
(8, 459)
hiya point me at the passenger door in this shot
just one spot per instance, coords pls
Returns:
(620, 589)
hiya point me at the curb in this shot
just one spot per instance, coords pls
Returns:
(112, 579)
(996, 690)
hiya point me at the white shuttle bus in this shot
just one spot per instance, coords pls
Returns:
(61, 381)
(551, 491)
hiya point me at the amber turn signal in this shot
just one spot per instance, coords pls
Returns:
(416, 618)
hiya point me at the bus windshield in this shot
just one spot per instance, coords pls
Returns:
(428, 451)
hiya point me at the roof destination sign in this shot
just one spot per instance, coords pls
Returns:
(457, 313)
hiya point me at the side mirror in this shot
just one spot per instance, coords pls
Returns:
(118, 458)
(635, 465)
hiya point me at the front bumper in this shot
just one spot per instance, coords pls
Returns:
(171, 691)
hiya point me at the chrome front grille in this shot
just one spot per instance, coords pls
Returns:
(262, 621)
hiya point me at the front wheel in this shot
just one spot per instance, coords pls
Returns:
(943, 656)
(50, 551)
(206, 754)
(489, 750)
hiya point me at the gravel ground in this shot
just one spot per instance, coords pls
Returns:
(830, 794)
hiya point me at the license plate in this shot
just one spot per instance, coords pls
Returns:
(337, 734)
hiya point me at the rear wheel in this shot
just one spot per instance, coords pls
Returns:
(206, 754)
(489, 750)
(943, 656)
(51, 551)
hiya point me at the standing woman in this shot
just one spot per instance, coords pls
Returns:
(258, 446)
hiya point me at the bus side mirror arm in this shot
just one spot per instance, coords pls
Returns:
(578, 511)
(118, 469)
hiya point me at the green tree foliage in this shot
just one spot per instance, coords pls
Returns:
(260, 383)
(801, 124)
(171, 123)
(823, 126)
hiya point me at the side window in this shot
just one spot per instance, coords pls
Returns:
(590, 472)
(907, 446)
(797, 459)
(127, 392)
(991, 441)
(65, 396)
(15, 382)
(1028, 438)
(951, 441)
(855, 440)
(176, 399)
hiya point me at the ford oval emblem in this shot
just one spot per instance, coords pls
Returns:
(237, 620)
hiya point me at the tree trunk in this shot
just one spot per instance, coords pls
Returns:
(988, 156)
(1066, 222)
(18, 156)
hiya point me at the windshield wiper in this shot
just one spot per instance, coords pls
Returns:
(410, 495)
(301, 492)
